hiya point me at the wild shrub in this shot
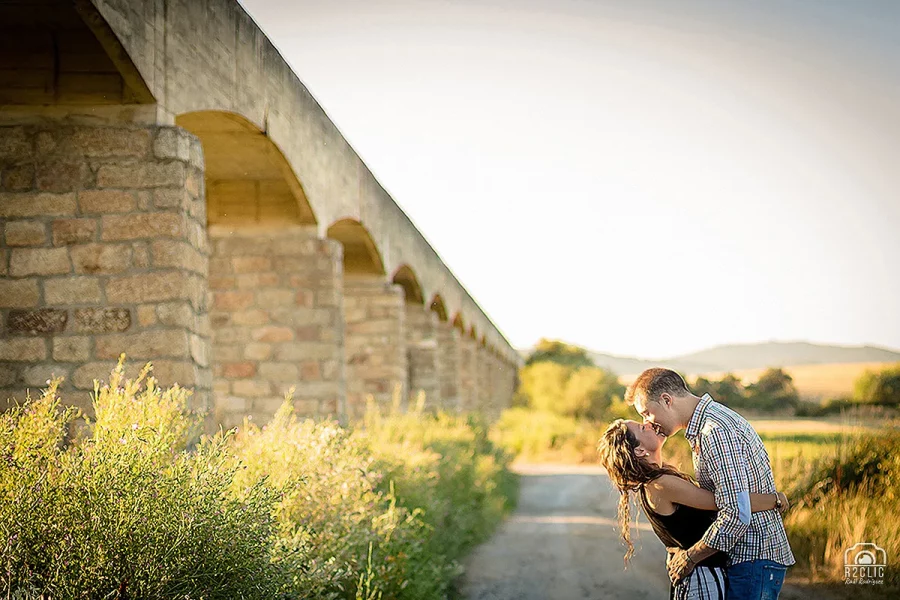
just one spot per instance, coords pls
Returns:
(126, 510)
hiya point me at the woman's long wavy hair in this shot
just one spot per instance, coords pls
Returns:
(628, 472)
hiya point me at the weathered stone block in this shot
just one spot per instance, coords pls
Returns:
(111, 141)
(74, 348)
(257, 351)
(250, 317)
(101, 259)
(249, 388)
(25, 233)
(148, 287)
(273, 334)
(282, 372)
(251, 264)
(274, 298)
(146, 315)
(38, 376)
(174, 253)
(257, 280)
(83, 377)
(73, 231)
(19, 178)
(102, 320)
(39, 261)
(106, 201)
(37, 205)
(141, 175)
(23, 349)
(16, 144)
(19, 293)
(176, 314)
(169, 343)
(36, 321)
(172, 143)
(72, 290)
(239, 370)
(200, 350)
(232, 301)
(142, 226)
(304, 351)
(63, 176)
(140, 255)
(9, 374)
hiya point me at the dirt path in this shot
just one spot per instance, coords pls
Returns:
(562, 544)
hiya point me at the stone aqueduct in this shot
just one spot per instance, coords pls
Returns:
(171, 190)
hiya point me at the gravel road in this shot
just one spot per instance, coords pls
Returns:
(562, 544)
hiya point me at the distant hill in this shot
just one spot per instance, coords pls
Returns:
(734, 357)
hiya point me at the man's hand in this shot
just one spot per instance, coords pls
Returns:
(679, 564)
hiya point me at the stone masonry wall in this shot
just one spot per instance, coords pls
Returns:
(375, 342)
(449, 360)
(468, 373)
(486, 398)
(103, 252)
(422, 353)
(277, 322)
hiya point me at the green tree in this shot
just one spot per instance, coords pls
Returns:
(878, 387)
(589, 392)
(559, 353)
(774, 390)
(702, 385)
(730, 391)
(542, 385)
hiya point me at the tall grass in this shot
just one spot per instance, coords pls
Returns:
(126, 511)
(134, 508)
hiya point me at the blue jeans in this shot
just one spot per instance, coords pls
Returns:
(755, 580)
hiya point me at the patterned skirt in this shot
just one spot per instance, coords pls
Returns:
(704, 583)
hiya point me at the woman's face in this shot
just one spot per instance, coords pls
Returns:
(646, 436)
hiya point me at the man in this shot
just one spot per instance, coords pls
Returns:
(730, 461)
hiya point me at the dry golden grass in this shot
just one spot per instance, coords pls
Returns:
(814, 382)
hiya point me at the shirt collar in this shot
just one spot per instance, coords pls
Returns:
(693, 427)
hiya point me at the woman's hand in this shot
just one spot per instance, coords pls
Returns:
(785, 504)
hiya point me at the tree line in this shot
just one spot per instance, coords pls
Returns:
(561, 378)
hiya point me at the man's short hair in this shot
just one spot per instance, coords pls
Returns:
(652, 383)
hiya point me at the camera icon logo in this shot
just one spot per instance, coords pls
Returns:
(864, 563)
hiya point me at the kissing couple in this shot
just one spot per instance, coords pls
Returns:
(725, 537)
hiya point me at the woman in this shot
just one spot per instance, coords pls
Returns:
(679, 510)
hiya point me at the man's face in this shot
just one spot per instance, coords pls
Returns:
(660, 415)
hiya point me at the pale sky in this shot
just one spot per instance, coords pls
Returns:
(643, 178)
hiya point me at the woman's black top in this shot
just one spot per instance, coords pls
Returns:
(683, 528)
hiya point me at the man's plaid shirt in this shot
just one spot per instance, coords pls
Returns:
(731, 461)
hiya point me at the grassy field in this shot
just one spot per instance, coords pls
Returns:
(814, 382)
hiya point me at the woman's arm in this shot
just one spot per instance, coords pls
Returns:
(676, 489)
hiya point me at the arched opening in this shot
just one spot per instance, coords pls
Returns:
(59, 52)
(437, 305)
(459, 324)
(248, 180)
(274, 309)
(361, 256)
(406, 278)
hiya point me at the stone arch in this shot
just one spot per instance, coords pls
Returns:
(459, 323)
(406, 278)
(437, 305)
(361, 255)
(65, 53)
(248, 180)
